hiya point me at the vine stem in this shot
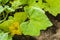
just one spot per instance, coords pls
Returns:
(4, 18)
(3, 15)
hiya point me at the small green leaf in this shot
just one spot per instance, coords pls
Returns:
(5, 25)
(53, 6)
(8, 9)
(3, 36)
(15, 4)
(10, 17)
(20, 16)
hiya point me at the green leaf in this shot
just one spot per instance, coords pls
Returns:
(10, 17)
(40, 4)
(3, 36)
(31, 2)
(10, 37)
(1, 9)
(53, 6)
(0, 2)
(6, 24)
(15, 4)
(4, 1)
(8, 9)
(23, 1)
(38, 21)
(20, 16)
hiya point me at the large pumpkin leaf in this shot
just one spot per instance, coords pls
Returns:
(38, 21)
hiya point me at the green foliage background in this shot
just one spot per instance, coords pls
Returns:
(32, 12)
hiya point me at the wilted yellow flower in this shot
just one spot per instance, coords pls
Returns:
(15, 29)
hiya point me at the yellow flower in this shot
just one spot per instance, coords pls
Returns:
(15, 29)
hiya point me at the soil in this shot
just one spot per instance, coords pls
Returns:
(51, 33)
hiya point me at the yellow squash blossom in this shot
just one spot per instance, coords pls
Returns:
(15, 29)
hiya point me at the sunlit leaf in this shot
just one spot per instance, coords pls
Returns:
(53, 6)
(3, 36)
(20, 16)
(15, 4)
(5, 25)
(38, 21)
(8, 9)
